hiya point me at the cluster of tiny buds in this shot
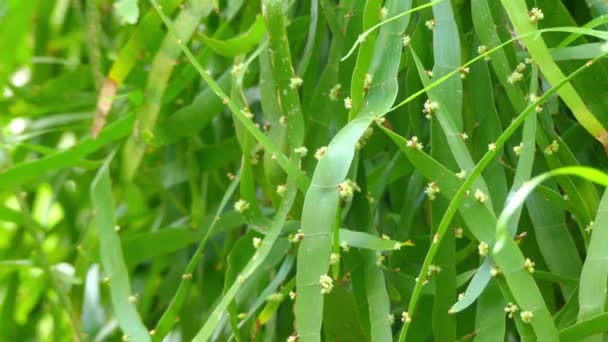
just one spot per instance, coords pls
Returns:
(292, 295)
(405, 317)
(302, 151)
(327, 284)
(529, 265)
(589, 227)
(433, 269)
(406, 40)
(464, 71)
(495, 272)
(526, 316)
(464, 136)
(347, 188)
(483, 50)
(430, 24)
(414, 143)
(247, 113)
(432, 190)
(348, 103)
(430, 107)
(518, 149)
(292, 338)
(461, 296)
(345, 247)
(517, 75)
(281, 188)
(241, 205)
(257, 242)
(320, 152)
(511, 309)
(367, 81)
(295, 82)
(462, 174)
(383, 13)
(480, 196)
(492, 147)
(380, 259)
(483, 248)
(458, 232)
(553, 148)
(536, 15)
(334, 93)
(390, 318)
(334, 259)
(295, 238)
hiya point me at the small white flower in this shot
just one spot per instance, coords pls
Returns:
(345, 247)
(461, 296)
(347, 189)
(379, 259)
(429, 73)
(480, 196)
(511, 309)
(553, 148)
(520, 67)
(295, 82)
(327, 284)
(529, 265)
(297, 237)
(414, 143)
(495, 272)
(483, 50)
(526, 316)
(292, 295)
(462, 174)
(292, 338)
(257, 242)
(430, 107)
(283, 120)
(464, 136)
(589, 227)
(433, 269)
(515, 77)
(458, 233)
(405, 317)
(432, 190)
(334, 258)
(348, 103)
(241, 205)
(302, 151)
(518, 149)
(247, 113)
(320, 152)
(483, 248)
(464, 71)
(406, 40)
(390, 318)
(397, 246)
(492, 147)
(383, 13)
(536, 15)
(367, 81)
(334, 93)
(281, 188)
(430, 24)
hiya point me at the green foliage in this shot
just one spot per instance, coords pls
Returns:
(322, 170)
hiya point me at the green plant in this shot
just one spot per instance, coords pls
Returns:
(303, 170)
